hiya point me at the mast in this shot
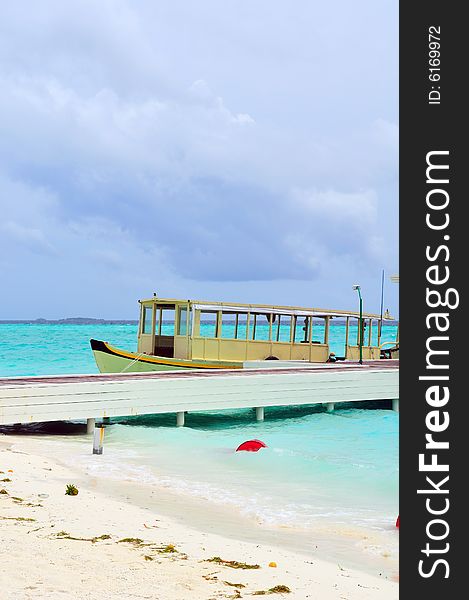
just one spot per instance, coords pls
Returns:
(381, 308)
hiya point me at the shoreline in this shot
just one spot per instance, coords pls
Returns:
(98, 511)
(369, 549)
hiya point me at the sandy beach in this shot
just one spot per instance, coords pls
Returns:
(93, 545)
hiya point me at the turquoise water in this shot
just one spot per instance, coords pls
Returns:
(339, 469)
(341, 466)
(56, 349)
(33, 349)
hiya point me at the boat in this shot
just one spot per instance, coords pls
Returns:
(193, 334)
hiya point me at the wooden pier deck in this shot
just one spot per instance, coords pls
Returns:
(74, 397)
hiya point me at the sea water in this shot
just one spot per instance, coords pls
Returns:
(43, 349)
(336, 471)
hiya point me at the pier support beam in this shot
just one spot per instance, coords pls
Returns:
(395, 404)
(90, 423)
(98, 440)
(329, 406)
(180, 419)
(260, 413)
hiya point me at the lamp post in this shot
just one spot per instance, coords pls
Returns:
(360, 323)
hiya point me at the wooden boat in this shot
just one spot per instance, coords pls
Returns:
(194, 334)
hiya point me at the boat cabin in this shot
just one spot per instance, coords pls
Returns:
(219, 331)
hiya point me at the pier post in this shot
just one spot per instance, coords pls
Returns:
(329, 406)
(90, 423)
(98, 440)
(260, 413)
(395, 404)
(180, 419)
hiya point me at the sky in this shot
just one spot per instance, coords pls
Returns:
(214, 149)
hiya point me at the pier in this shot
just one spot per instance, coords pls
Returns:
(90, 397)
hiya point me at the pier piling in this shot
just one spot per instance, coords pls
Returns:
(180, 419)
(98, 440)
(395, 404)
(330, 406)
(90, 423)
(260, 413)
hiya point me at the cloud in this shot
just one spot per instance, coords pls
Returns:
(356, 208)
(198, 146)
(28, 237)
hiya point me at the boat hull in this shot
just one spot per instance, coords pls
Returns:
(114, 360)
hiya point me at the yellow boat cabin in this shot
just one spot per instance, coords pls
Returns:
(193, 334)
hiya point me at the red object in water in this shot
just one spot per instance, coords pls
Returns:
(251, 446)
(397, 522)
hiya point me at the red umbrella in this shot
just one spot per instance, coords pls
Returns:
(251, 446)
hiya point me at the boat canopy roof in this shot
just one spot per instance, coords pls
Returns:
(264, 308)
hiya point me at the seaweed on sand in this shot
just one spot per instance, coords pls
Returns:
(66, 536)
(130, 540)
(105, 536)
(169, 549)
(278, 589)
(234, 564)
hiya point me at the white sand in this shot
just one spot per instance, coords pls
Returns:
(36, 562)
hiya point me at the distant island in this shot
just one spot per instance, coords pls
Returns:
(70, 321)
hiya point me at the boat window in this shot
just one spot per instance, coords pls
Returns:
(234, 326)
(182, 328)
(241, 326)
(157, 319)
(208, 324)
(318, 331)
(147, 317)
(301, 325)
(259, 327)
(228, 325)
(281, 328)
(167, 321)
(353, 332)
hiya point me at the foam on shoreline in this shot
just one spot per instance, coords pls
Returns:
(350, 547)
(36, 562)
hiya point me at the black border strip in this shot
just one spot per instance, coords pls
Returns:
(432, 119)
